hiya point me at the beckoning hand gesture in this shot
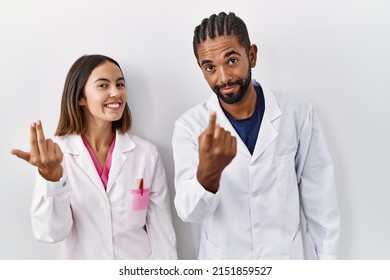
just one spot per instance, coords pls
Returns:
(217, 148)
(44, 154)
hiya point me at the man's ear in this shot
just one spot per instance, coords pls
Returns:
(253, 56)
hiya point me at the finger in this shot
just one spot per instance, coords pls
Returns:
(41, 138)
(34, 150)
(54, 150)
(233, 146)
(205, 139)
(21, 154)
(220, 135)
(58, 151)
(228, 140)
(50, 147)
(212, 122)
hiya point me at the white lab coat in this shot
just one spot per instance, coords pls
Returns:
(256, 212)
(98, 224)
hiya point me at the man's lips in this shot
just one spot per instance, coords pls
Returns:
(228, 89)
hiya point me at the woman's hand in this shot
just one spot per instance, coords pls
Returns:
(44, 154)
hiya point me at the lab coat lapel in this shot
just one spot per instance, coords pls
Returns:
(123, 144)
(268, 132)
(76, 147)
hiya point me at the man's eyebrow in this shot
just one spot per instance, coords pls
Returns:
(206, 61)
(231, 53)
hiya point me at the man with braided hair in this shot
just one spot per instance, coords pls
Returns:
(249, 159)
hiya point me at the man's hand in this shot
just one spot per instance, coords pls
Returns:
(217, 148)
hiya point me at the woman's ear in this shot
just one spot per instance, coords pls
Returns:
(82, 101)
(253, 55)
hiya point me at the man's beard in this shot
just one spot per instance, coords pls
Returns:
(235, 97)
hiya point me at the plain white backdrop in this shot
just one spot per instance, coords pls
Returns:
(336, 54)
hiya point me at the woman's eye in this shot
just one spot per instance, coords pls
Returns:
(120, 85)
(103, 85)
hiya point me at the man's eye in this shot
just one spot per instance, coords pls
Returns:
(233, 61)
(209, 68)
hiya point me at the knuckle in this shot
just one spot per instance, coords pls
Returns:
(218, 151)
(45, 161)
(204, 149)
(34, 160)
(57, 159)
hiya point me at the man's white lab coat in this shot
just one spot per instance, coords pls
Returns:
(256, 212)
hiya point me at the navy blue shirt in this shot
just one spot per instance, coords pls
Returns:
(249, 128)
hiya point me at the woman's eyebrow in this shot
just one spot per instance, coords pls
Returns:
(107, 80)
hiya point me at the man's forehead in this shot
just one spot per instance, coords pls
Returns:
(227, 39)
(219, 45)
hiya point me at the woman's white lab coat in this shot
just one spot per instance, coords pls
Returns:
(95, 223)
(256, 212)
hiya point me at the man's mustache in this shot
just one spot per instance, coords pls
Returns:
(228, 84)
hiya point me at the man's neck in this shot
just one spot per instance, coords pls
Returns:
(244, 108)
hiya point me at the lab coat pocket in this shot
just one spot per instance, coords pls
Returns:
(140, 199)
(208, 250)
(136, 208)
(286, 176)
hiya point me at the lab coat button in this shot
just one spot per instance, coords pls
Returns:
(257, 225)
(255, 194)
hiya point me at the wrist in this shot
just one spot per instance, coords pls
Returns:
(53, 175)
(209, 180)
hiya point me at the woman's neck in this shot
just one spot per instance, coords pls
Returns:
(99, 138)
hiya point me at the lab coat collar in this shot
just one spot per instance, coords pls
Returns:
(74, 145)
(123, 145)
(267, 133)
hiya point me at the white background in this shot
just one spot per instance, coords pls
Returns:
(336, 54)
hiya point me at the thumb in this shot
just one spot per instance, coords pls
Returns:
(21, 154)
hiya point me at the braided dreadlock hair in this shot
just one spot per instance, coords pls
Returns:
(220, 25)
